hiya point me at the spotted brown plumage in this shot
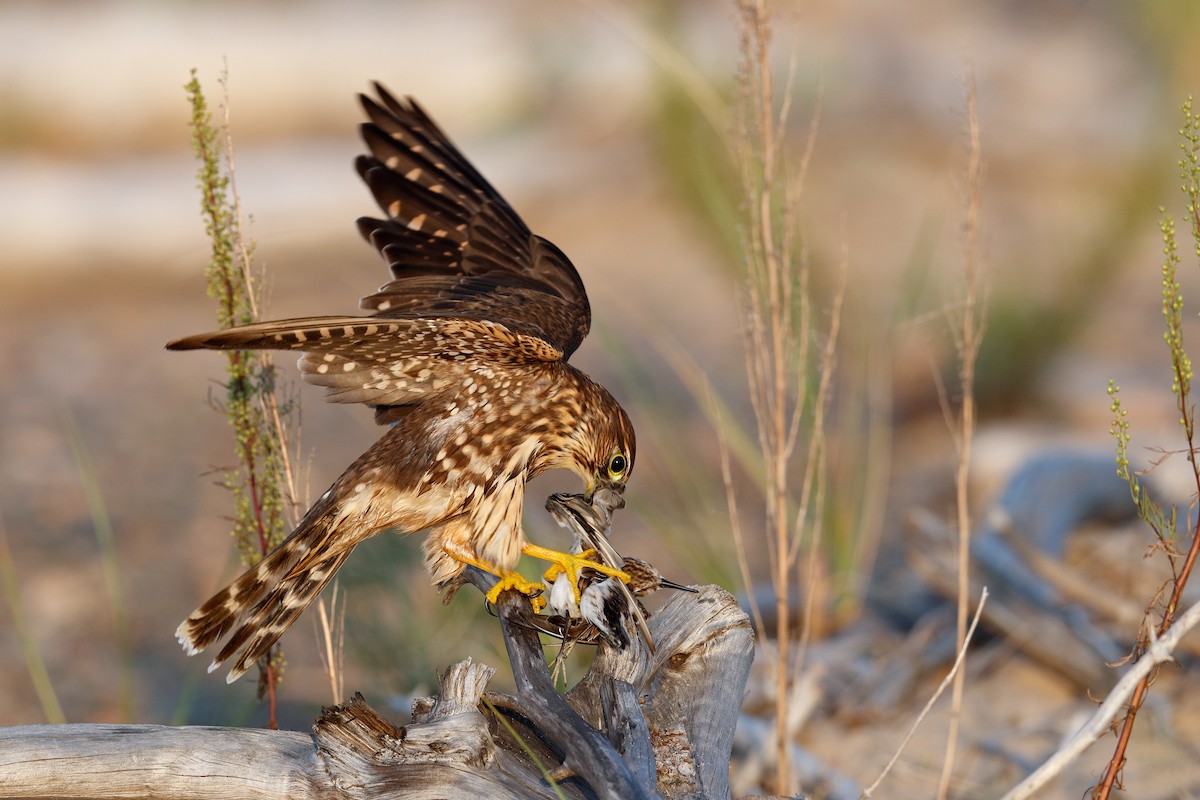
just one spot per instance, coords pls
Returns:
(464, 355)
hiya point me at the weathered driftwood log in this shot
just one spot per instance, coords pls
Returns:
(1023, 534)
(636, 726)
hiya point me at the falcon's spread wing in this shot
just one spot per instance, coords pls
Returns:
(473, 288)
(391, 364)
(454, 245)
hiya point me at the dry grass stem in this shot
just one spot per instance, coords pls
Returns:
(952, 675)
(250, 275)
(252, 278)
(816, 468)
(780, 362)
(331, 634)
(735, 525)
(331, 621)
(968, 336)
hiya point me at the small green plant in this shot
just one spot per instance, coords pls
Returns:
(262, 482)
(1180, 554)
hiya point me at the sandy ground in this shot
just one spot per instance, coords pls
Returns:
(101, 252)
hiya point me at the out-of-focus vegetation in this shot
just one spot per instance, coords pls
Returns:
(604, 152)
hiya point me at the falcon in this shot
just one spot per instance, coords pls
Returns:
(463, 354)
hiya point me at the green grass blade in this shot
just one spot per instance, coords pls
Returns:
(38, 674)
(106, 542)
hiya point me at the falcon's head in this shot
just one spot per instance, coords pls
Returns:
(601, 447)
(611, 461)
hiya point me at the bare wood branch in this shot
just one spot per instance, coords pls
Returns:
(588, 753)
(1042, 636)
(1161, 651)
(43, 761)
(692, 685)
(627, 730)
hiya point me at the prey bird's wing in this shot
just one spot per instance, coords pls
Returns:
(454, 245)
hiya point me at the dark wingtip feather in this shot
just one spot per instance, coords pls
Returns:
(368, 225)
(388, 99)
(367, 101)
(194, 342)
(231, 338)
(363, 163)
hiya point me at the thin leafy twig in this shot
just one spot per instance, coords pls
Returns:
(264, 483)
(1181, 374)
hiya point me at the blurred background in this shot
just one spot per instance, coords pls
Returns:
(603, 125)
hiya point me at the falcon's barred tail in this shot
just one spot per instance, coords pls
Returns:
(260, 605)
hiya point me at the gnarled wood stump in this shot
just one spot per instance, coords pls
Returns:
(638, 725)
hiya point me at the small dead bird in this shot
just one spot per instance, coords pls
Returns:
(604, 603)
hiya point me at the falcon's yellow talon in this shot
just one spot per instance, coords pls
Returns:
(571, 564)
(559, 567)
(515, 580)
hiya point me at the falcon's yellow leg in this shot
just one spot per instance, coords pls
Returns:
(571, 564)
(508, 580)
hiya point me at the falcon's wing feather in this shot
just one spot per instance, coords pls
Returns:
(386, 363)
(472, 287)
(455, 247)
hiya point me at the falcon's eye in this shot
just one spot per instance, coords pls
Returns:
(617, 466)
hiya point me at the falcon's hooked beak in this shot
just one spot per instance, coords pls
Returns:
(606, 486)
